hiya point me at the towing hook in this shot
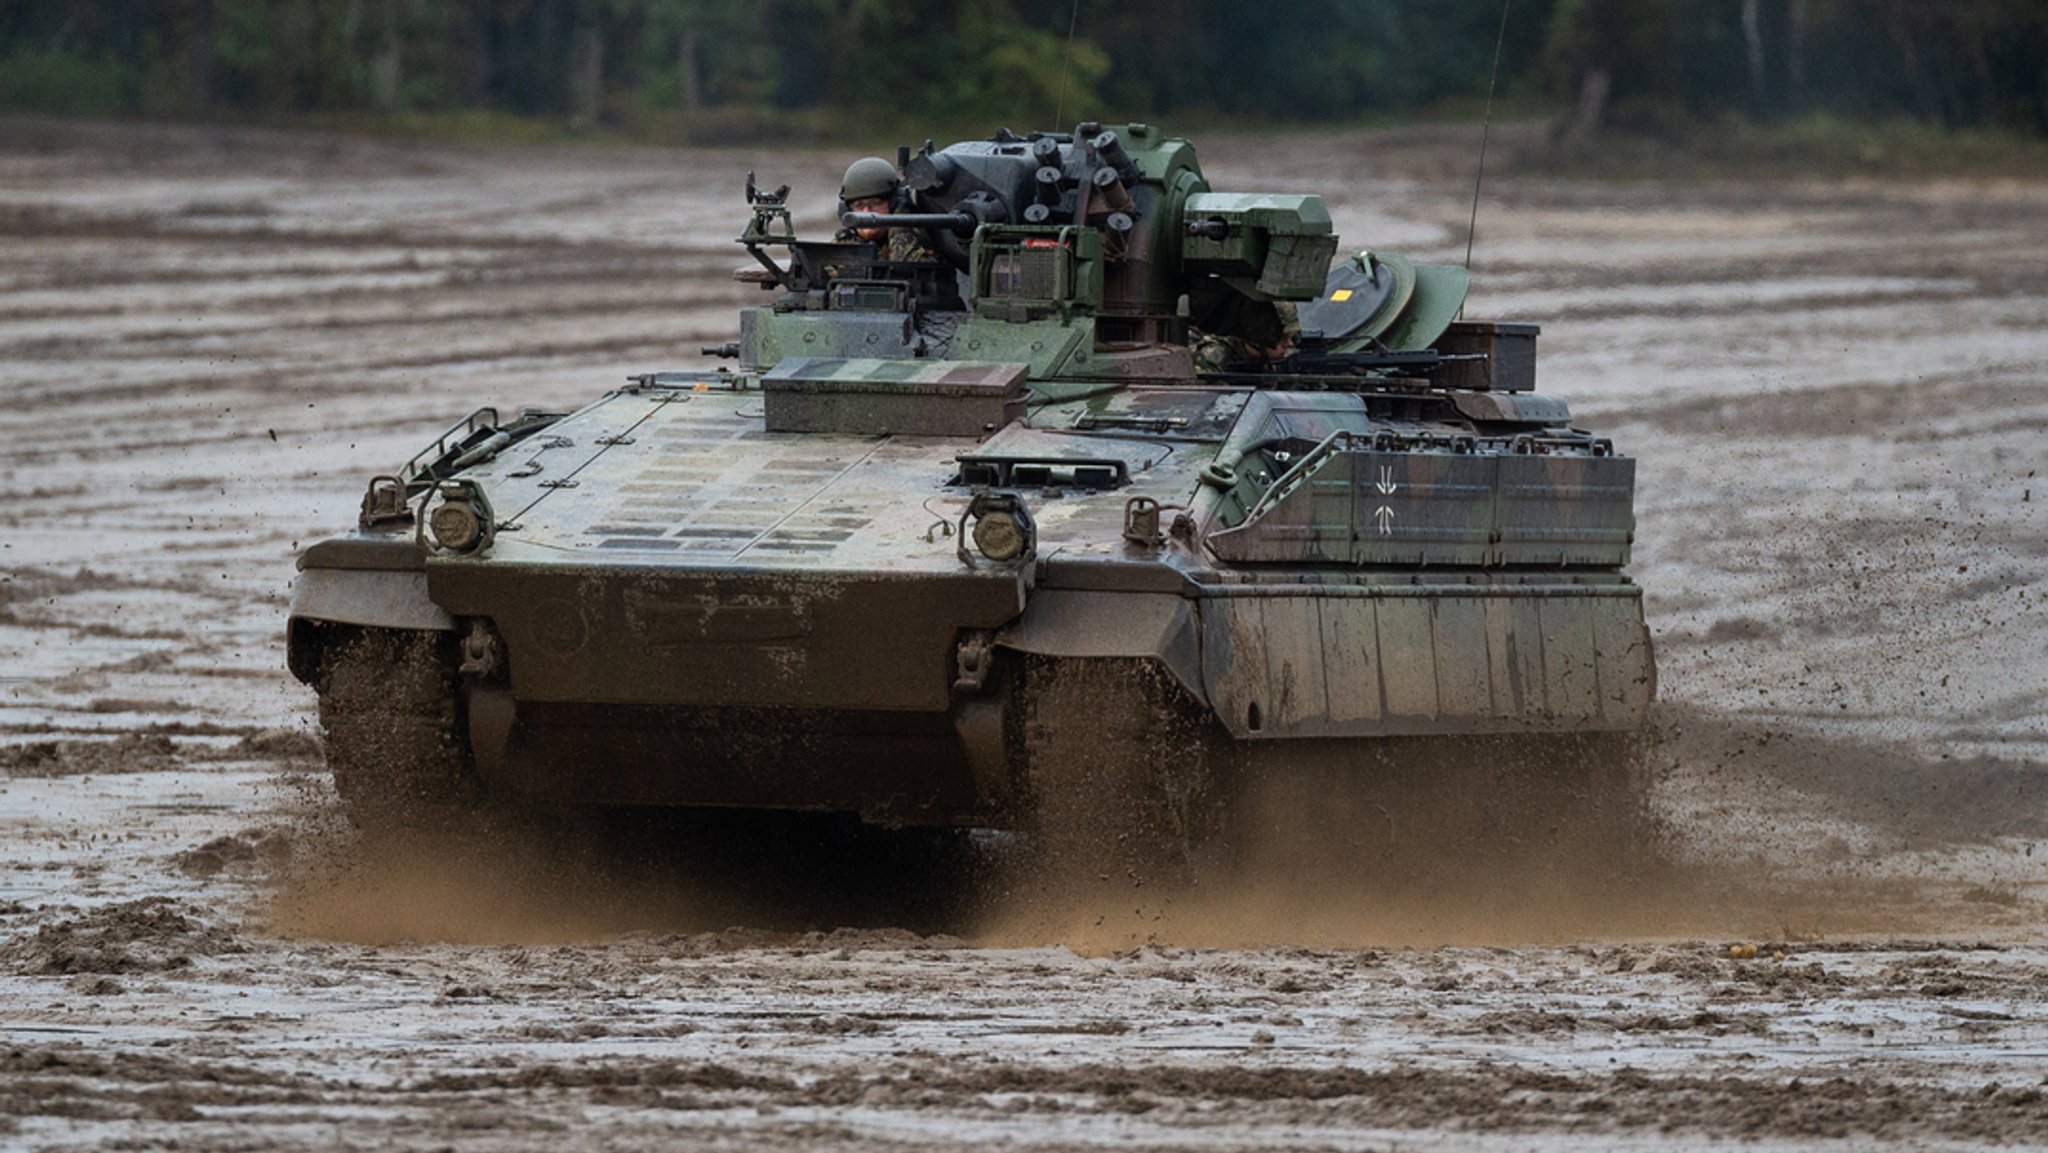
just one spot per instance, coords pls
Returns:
(1141, 521)
(384, 502)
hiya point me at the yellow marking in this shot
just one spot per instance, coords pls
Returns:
(1341, 295)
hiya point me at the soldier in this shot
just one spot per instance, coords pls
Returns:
(870, 185)
(1254, 339)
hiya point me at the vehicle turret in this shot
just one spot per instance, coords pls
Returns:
(1112, 232)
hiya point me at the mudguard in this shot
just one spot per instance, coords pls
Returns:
(373, 583)
(381, 599)
(1080, 623)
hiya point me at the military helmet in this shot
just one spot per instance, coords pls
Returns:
(868, 177)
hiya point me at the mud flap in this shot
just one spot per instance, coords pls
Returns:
(370, 598)
(377, 599)
(1077, 623)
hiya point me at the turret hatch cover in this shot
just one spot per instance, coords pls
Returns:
(1353, 294)
(1439, 297)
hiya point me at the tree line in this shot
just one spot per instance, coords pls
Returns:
(1641, 65)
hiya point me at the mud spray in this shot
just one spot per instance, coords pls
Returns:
(526, 878)
(1717, 828)
(1743, 833)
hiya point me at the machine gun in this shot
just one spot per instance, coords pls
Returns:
(1318, 363)
(846, 274)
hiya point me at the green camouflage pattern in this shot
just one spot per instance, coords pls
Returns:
(761, 585)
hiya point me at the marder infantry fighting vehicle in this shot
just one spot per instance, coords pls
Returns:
(970, 541)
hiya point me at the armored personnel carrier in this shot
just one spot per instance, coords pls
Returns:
(970, 540)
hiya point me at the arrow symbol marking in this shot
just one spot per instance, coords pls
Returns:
(1386, 486)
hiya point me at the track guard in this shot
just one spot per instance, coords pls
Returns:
(1078, 623)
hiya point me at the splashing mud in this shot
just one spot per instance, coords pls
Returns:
(524, 878)
(1712, 826)
(1740, 831)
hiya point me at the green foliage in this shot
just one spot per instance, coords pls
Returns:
(721, 41)
(1667, 68)
(1818, 144)
(59, 82)
(1676, 64)
(1004, 70)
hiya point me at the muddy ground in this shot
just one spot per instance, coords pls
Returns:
(1838, 393)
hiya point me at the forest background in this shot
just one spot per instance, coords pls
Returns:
(1820, 74)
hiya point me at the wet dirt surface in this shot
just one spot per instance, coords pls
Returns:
(209, 338)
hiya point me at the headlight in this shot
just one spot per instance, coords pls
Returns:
(1000, 537)
(462, 521)
(455, 527)
(1002, 533)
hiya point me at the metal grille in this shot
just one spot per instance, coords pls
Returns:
(1027, 273)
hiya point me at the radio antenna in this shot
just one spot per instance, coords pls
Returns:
(1066, 66)
(1486, 132)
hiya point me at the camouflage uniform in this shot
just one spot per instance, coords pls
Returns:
(907, 244)
(1216, 352)
(903, 245)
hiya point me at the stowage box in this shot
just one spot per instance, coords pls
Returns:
(1509, 350)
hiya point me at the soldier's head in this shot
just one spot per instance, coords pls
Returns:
(869, 186)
